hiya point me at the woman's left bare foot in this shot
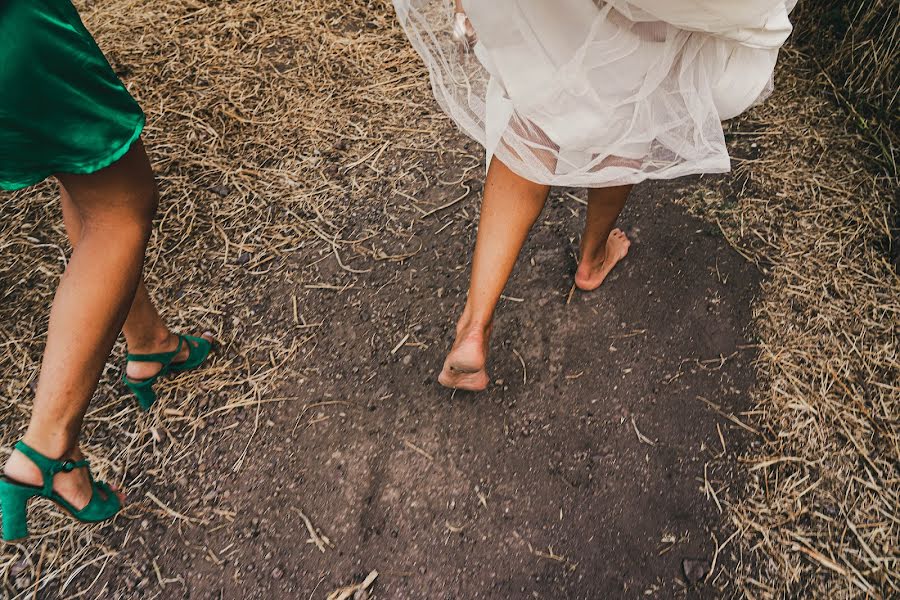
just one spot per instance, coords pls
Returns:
(595, 266)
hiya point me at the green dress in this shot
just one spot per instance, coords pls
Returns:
(62, 108)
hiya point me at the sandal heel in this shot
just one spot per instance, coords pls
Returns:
(145, 396)
(143, 389)
(104, 503)
(14, 510)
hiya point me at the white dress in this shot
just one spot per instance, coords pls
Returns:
(594, 93)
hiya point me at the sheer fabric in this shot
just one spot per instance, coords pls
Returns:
(592, 93)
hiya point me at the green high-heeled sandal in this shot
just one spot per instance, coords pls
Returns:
(14, 496)
(143, 389)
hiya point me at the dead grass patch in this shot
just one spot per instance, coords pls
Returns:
(807, 204)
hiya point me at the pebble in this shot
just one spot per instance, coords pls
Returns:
(220, 190)
(19, 567)
(695, 570)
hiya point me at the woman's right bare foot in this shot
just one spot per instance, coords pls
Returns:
(595, 266)
(464, 367)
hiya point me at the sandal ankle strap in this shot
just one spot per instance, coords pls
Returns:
(49, 466)
(165, 358)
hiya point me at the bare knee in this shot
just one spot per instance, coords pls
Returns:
(144, 202)
(127, 217)
(120, 200)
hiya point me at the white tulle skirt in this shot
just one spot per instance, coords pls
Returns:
(591, 93)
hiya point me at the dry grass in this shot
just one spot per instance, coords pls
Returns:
(819, 517)
(855, 46)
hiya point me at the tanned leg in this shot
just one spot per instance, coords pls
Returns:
(115, 207)
(602, 246)
(510, 208)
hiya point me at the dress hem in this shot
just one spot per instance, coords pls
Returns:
(83, 168)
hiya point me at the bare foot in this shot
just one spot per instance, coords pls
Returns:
(74, 486)
(464, 368)
(138, 371)
(593, 269)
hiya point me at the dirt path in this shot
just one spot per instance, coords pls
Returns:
(540, 488)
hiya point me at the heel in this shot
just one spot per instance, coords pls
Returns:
(14, 496)
(13, 509)
(143, 390)
(144, 394)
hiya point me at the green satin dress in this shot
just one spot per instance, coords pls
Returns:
(62, 108)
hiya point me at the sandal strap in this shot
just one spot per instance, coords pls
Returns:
(49, 466)
(165, 358)
(101, 506)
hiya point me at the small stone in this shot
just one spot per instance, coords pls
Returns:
(220, 190)
(407, 360)
(19, 567)
(695, 569)
(277, 573)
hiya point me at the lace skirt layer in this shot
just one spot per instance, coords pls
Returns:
(591, 93)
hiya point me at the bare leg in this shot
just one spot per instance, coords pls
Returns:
(510, 208)
(145, 331)
(462, 27)
(115, 207)
(601, 245)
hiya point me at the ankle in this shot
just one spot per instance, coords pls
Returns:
(592, 251)
(151, 342)
(469, 325)
(22, 469)
(58, 445)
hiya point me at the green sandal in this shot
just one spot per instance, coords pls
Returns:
(143, 389)
(14, 496)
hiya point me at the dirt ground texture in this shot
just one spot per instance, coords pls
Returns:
(541, 487)
(319, 214)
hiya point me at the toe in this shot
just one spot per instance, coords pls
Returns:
(119, 493)
(208, 336)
